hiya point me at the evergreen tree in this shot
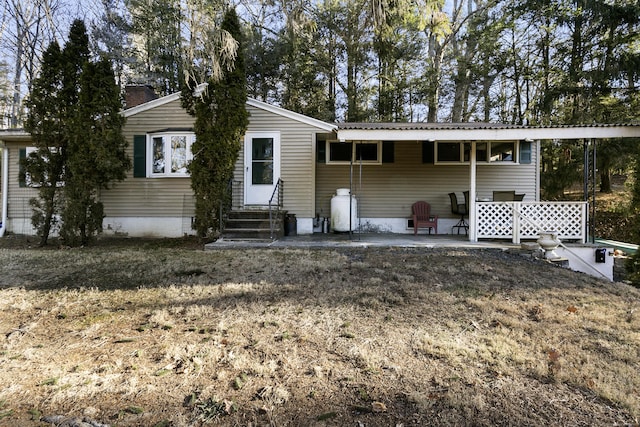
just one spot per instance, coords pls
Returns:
(111, 36)
(76, 129)
(633, 263)
(157, 23)
(221, 120)
(96, 153)
(44, 168)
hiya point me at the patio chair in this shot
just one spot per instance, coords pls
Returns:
(461, 209)
(422, 218)
(504, 196)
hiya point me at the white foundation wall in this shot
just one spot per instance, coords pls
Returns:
(304, 225)
(147, 226)
(22, 226)
(583, 259)
(400, 226)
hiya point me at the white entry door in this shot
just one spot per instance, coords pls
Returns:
(261, 165)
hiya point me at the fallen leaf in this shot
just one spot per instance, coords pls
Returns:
(572, 309)
(378, 407)
(228, 406)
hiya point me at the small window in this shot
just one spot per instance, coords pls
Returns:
(466, 152)
(481, 152)
(366, 152)
(170, 154)
(339, 152)
(486, 152)
(503, 152)
(179, 154)
(158, 155)
(356, 151)
(448, 152)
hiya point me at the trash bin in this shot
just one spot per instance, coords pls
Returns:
(290, 225)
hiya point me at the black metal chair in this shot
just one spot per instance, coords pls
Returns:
(461, 209)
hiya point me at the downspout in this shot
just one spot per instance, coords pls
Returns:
(5, 188)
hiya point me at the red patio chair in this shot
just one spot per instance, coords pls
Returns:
(422, 217)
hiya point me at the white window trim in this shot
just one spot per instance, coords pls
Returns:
(328, 160)
(190, 137)
(515, 161)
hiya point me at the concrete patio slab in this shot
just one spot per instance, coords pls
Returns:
(337, 240)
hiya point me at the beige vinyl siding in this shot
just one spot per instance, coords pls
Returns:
(297, 163)
(388, 190)
(18, 201)
(151, 197)
(173, 196)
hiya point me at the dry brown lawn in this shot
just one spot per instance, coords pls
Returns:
(166, 334)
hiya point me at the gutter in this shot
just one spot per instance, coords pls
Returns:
(5, 188)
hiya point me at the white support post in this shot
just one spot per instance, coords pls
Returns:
(5, 190)
(472, 194)
(515, 227)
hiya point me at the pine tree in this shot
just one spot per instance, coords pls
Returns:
(221, 120)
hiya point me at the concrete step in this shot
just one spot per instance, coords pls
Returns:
(251, 233)
(253, 225)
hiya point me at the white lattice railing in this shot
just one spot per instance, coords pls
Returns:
(524, 220)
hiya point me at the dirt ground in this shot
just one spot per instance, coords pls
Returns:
(161, 333)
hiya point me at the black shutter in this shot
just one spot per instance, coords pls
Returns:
(321, 151)
(525, 152)
(139, 156)
(427, 151)
(388, 152)
(22, 181)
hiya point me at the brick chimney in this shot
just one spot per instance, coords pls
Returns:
(138, 94)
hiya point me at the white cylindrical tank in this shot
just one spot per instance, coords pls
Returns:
(340, 210)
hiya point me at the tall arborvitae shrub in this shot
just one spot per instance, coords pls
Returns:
(221, 120)
(73, 118)
(43, 168)
(96, 156)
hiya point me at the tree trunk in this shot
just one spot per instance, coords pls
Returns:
(605, 175)
(433, 88)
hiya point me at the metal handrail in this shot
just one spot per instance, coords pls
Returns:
(277, 191)
(227, 195)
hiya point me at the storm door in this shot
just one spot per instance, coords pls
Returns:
(262, 166)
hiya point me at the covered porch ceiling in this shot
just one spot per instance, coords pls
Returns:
(480, 131)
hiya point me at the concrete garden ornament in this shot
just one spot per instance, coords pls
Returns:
(548, 241)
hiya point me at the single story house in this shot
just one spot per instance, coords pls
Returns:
(386, 166)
